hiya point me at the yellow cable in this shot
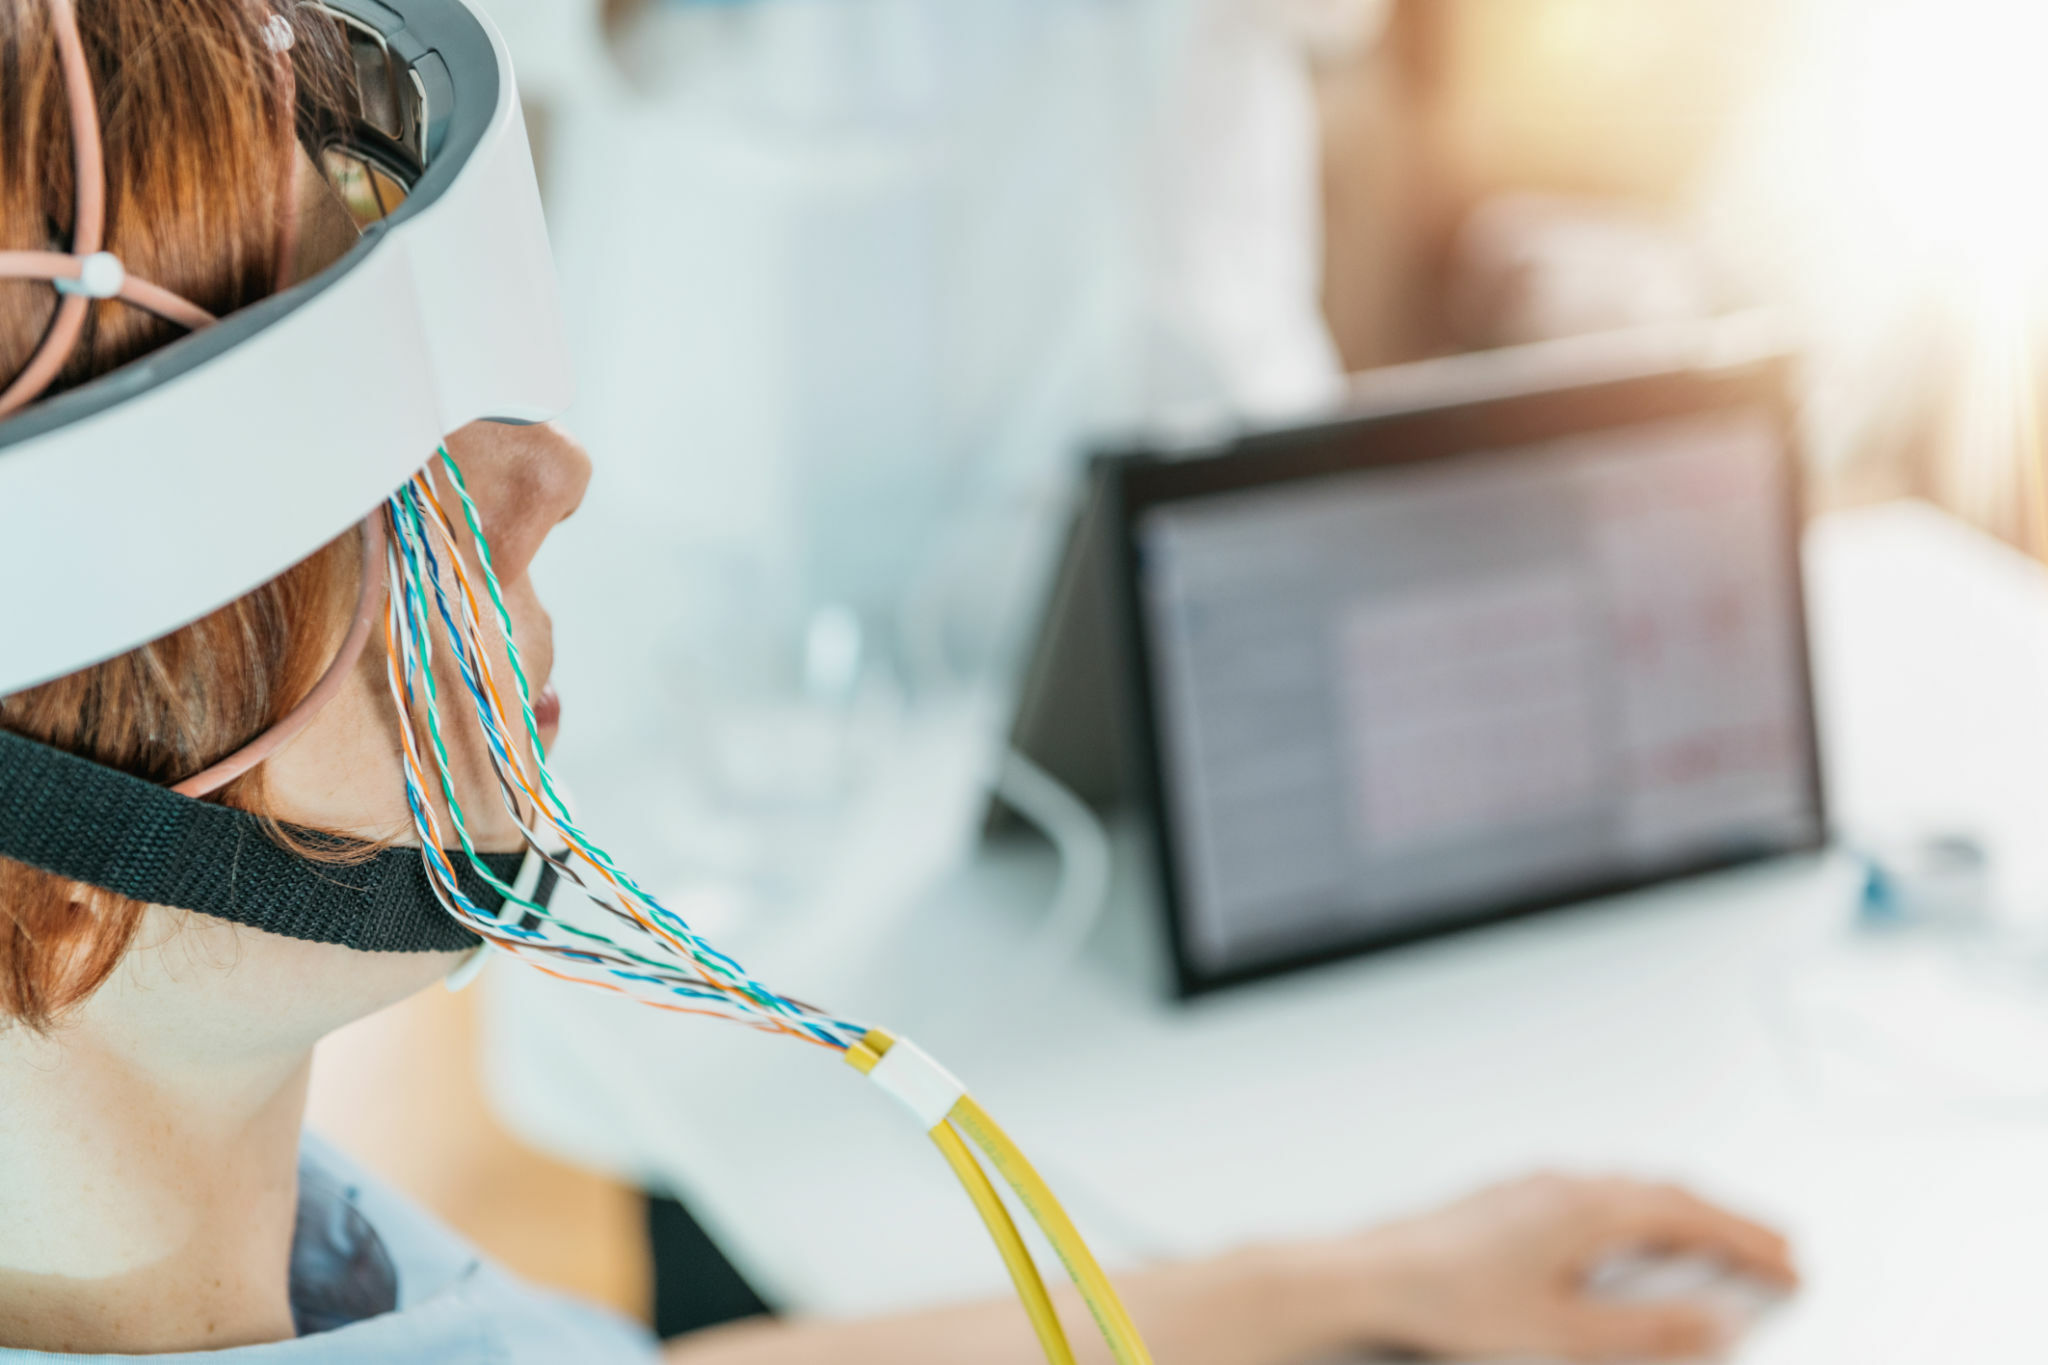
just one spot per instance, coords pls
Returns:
(1023, 1271)
(971, 1119)
(1101, 1296)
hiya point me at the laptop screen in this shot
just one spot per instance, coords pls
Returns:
(1390, 699)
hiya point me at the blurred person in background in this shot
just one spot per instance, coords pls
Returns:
(915, 258)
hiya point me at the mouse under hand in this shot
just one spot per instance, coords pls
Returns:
(1735, 1300)
(1558, 1268)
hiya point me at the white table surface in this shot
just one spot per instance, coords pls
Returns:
(1671, 1033)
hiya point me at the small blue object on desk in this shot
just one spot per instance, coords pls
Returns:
(1936, 879)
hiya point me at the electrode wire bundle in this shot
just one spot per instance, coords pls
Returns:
(660, 959)
(648, 951)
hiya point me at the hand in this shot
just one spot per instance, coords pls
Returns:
(1500, 1273)
(1504, 1272)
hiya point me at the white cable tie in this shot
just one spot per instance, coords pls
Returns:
(277, 33)
(925, 1088)
(100, 276)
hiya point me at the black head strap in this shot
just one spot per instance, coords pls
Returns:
(93, 824)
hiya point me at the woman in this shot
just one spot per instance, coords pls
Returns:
(156, 1192)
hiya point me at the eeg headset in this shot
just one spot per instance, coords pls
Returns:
(444, 310)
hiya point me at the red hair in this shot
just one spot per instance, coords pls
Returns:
(193, 128)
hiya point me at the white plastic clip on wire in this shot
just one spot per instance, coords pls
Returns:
(925, 1088)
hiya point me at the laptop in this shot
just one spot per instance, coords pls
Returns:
(1511, 632)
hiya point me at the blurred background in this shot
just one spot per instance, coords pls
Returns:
(856, 286)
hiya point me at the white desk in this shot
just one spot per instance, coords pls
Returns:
(1648, 1033)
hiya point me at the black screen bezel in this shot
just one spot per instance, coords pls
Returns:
(1132, 482)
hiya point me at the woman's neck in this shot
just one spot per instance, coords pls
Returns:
(147, 1195)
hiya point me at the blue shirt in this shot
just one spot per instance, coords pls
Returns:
(375, 1278)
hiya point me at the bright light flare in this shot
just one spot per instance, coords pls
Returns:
(1950, 137)
(1890, 187)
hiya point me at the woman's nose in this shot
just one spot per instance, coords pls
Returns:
(524, 480)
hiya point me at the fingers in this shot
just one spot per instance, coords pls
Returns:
(1669, 1218)
(1591, 1331)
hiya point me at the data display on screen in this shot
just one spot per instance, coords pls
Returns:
(1404, 695)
